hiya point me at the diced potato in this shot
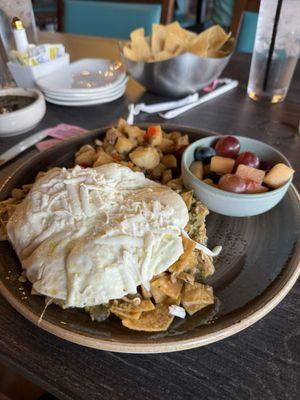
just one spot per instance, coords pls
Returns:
(181, 142)
(108, 147)
(154, 135)
(145, 157)
(278, 175)
(98, 142)
(174, 135)
(125, 145)
(169, 160)
(221, 165)
(102, 158)
(133, 131)
(86, 158)
(158, 171)
(166, 176)
(167, 145)
(83, 149)
(112, 135)
(246, 172)
(121, 124)
(196, 168)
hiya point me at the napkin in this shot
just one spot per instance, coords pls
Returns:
(60, 133)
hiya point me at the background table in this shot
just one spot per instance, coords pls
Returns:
(262, 362)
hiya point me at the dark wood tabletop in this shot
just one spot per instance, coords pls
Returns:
(261, 363)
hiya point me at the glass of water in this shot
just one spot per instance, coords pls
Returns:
(276, 50)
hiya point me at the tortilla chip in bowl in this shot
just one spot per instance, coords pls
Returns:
(174, 62)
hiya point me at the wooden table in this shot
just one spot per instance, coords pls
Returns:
(260, 363)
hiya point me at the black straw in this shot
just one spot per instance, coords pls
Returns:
(272, 45)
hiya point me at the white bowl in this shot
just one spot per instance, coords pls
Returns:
(23, 120)
(228, 203)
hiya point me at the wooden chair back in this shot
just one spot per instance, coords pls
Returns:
(240, 6)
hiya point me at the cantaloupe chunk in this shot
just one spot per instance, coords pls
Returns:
(278, 175)
(221, 165)
(254, 174)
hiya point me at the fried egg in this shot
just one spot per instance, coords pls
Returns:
(86, 236)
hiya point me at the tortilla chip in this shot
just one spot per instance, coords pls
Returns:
(173, 44)
(161, 56)
(158, 38)
(205, 263)
(186, 277)
(210, 40)
(157, 320)
(135, 315)
(139, 45)
(137, 33)
(199, 46)
(188, 260)
(129, 53)
(182, 34)
(196, 296)
(167, 287)
(188, 198)
(125, 309)
(145, 293)
(158, 295)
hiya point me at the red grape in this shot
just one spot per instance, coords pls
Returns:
(247, 158)
(227, 146)
(232, 183)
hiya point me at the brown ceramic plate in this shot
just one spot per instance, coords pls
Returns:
(258, 266)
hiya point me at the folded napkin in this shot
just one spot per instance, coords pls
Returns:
(60, 133)
(177, 107)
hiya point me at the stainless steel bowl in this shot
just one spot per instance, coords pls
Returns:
(178, 76)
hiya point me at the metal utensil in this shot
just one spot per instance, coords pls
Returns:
(22, 146)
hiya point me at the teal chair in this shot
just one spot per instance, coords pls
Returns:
(246, 36)
(111, 19)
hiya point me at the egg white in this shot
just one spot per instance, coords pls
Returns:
(86, 236)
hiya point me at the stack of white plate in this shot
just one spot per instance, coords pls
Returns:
(85, 82)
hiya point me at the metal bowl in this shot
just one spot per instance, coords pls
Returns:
(178, 76)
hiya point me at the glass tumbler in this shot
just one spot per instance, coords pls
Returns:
(276, 50)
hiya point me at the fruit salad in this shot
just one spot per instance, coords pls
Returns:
(224, 167)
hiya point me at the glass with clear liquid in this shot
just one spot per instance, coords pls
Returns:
(276, 50)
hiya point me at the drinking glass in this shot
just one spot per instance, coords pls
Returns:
(276, 50)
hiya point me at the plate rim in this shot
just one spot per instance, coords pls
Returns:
(174, 343)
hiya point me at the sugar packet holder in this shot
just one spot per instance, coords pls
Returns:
(26, 76)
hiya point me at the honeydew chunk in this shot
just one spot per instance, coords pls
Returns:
(221, 165)
(196, 168)
(246, 172)
(278, 175)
